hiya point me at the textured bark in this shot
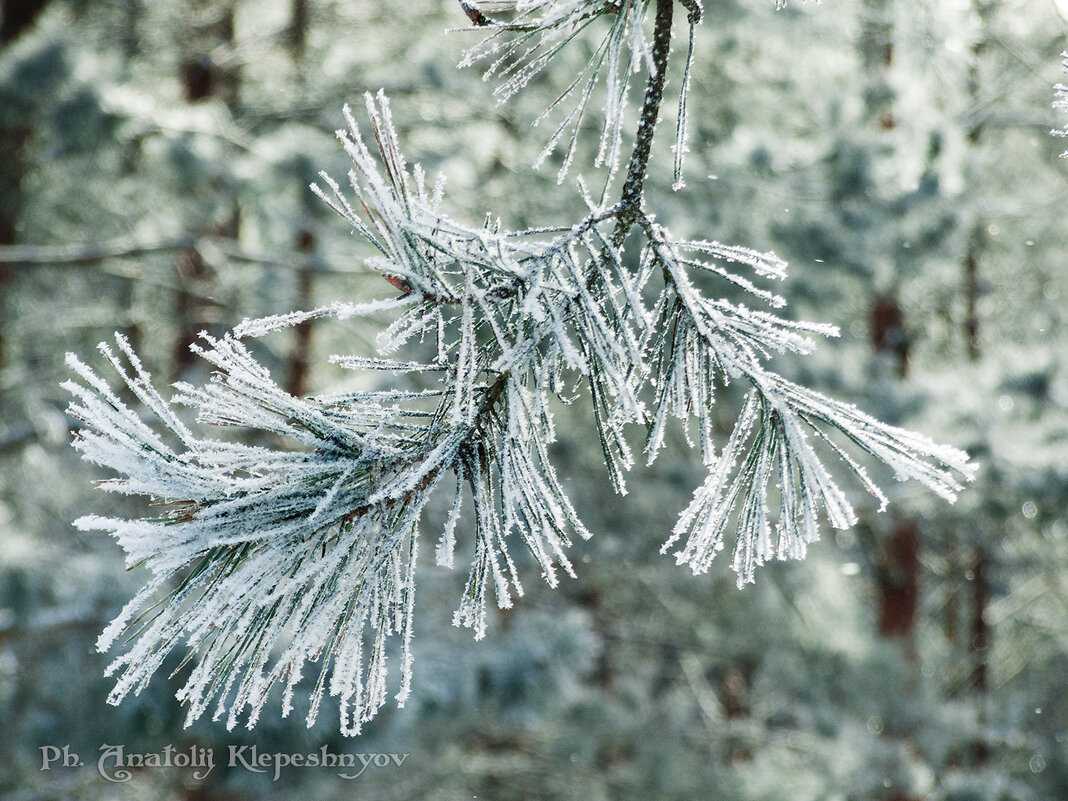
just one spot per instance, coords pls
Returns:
(473, 14)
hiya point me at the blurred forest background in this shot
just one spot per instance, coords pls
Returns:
(154, 163)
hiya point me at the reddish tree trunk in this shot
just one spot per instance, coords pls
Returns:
(899, 581)
(886, 324)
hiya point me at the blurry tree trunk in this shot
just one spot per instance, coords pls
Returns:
(951, 616)
(899, 581)
(205, 75)
(193, 307)
(300, 356)
(298, 31)
(299, 367)
(971, 293)
(897, 576)
(979, 641)
(207, 71)
(886, 318)
(886, 323)
(16, 16)
(12, 169)
(979, 635)
(130, 42)
(591, 598)
(129, 37)
(735, 686)
(877, 55)
(898, 571)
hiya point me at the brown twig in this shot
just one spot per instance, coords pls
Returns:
(473, 14)
(694, 9)
(634, 186)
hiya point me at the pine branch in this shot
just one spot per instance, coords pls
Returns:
(268, 559)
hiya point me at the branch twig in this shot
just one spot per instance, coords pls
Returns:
(473, 14)
(634, 187)
(88, 254)
(91, 254)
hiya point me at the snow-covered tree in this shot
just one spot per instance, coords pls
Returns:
(293, 549)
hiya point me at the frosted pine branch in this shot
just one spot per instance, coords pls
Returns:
(294, 563)
(701, 343)
(336, 516)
